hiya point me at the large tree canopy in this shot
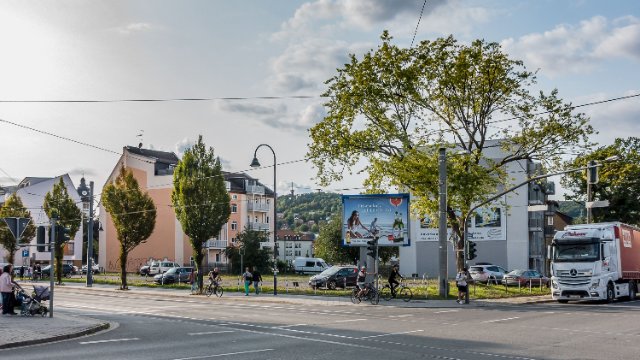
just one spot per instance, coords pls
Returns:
(59, 204)
(13, 207)
(133, 213)
(619, 181)
(200, 198)
(394, 107)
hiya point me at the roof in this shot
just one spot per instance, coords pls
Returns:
(160, 156)
(238, 180)
(30, 181)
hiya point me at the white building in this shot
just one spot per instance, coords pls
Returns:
(506, 233)
(32, 191)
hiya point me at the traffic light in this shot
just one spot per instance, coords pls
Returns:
(592, 172)
(371, 248)
(63, 234)
(40, 238)
(471, 250)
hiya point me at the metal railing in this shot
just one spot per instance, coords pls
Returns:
(258, 226)
(258, 207)
(218, 244)
(255, 189)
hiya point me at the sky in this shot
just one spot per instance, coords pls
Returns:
(118, 50)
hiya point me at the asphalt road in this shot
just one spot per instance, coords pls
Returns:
(159, 327)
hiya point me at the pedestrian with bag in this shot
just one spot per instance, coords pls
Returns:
(6, 288)
(461, 283)
(247, 277)
(257, 279)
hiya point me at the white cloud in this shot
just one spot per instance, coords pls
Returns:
(578, 49)
(135, 28)
(181, 146)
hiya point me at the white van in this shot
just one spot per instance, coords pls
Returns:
(159, 267)
(305, 265)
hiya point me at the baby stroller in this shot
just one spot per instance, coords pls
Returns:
(32, 304)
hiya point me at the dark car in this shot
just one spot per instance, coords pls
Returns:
(67, 270)
(144, 270)
(174, 275)
(525, 278)
(335, 277)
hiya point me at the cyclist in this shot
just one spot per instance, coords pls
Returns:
(393, 282)
(360, 281)
(214, 277)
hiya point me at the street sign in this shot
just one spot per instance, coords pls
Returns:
(597, 204)
(17, 226)
(25, 253)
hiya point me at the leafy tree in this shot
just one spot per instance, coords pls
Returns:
(133, 213)
(13, 207)
(58, 204)
(249, 241)
(328, 244)
(200, 198)
(395, 107)
(619, 181)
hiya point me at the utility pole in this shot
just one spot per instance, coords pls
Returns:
(90, 239)
(52, 250)
(591, 179)
(442, 229)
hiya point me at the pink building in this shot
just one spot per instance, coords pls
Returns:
(251, 204)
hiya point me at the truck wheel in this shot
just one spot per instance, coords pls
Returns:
(563, 301)
(611, 295)
(632, 291)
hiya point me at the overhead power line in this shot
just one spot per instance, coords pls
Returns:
(239, 98)
(415, 32)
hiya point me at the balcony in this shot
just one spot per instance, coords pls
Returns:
(258, 207)
(216, 244)
(255, 189)
(536, 224)
(266, 245)
(258, 226)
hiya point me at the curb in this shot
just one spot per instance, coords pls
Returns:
(88, 331)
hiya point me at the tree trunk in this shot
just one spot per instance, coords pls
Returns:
(11, 256)
(123, 269)
(198, 257)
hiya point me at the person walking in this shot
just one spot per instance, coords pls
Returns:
(247, 277)
(193, 280)
(461, 283)
(257, 279)
(6, 288)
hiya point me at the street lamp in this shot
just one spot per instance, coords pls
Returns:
(592, 179)
(255, 164)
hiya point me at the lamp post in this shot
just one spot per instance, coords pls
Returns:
(254, 164)
(592, 179)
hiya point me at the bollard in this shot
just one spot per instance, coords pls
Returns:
(238, 284)
(530, 287)
(345, 283)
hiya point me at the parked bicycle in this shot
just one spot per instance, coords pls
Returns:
(371, 294)
(215, 289)
(402, 292)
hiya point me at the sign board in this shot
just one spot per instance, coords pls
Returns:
(489, 223)
(25, 253)
(385, 216)
(17, 226)
(597, 204)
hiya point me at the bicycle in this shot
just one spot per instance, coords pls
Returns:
(402, 291)
(214, 289)
(372, 294)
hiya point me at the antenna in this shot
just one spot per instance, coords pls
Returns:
(141, 136)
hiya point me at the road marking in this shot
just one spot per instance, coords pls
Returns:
(445, 311)
(287, 326)
(389, 334)
(350, 320)
(400, 316)
(106, 341)
(494, 321)
(209, 333)
(227, 354)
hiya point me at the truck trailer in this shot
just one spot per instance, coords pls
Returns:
(595, 262)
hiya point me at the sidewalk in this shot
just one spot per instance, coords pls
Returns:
(26, 330)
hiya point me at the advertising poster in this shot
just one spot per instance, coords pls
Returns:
(385, 216)
(489, 223)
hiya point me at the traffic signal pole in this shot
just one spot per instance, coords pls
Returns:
(52, 250)
(442, 228)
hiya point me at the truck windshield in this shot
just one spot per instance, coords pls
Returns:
(577, 252)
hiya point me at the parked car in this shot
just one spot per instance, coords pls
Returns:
(525, 277)
(334, 277)
(307, 265)
(67, 270)
(174, 275)
(144, 270)
(96, 268)
(159, 267)
(487, 273)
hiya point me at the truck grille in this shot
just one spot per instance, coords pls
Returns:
(580, 278)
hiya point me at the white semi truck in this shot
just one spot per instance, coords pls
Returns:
(595, 262)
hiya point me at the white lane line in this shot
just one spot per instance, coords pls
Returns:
(227, 354)
(106, 341)
(445, 311)
(349, 320)
(287, 326)
(209, 333)
(494, 321)
(389, 334)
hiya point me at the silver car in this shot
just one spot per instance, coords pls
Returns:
(487, 273)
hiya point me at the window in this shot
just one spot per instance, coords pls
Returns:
(298, 253)
(550, 220)
(234, 197)
(234, 208)
(234, 225)
(218, 257)
(310, 264)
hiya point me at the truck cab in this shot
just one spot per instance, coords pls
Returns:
(586, 264)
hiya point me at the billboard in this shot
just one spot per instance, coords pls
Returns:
(489, 223)
(385, 216)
